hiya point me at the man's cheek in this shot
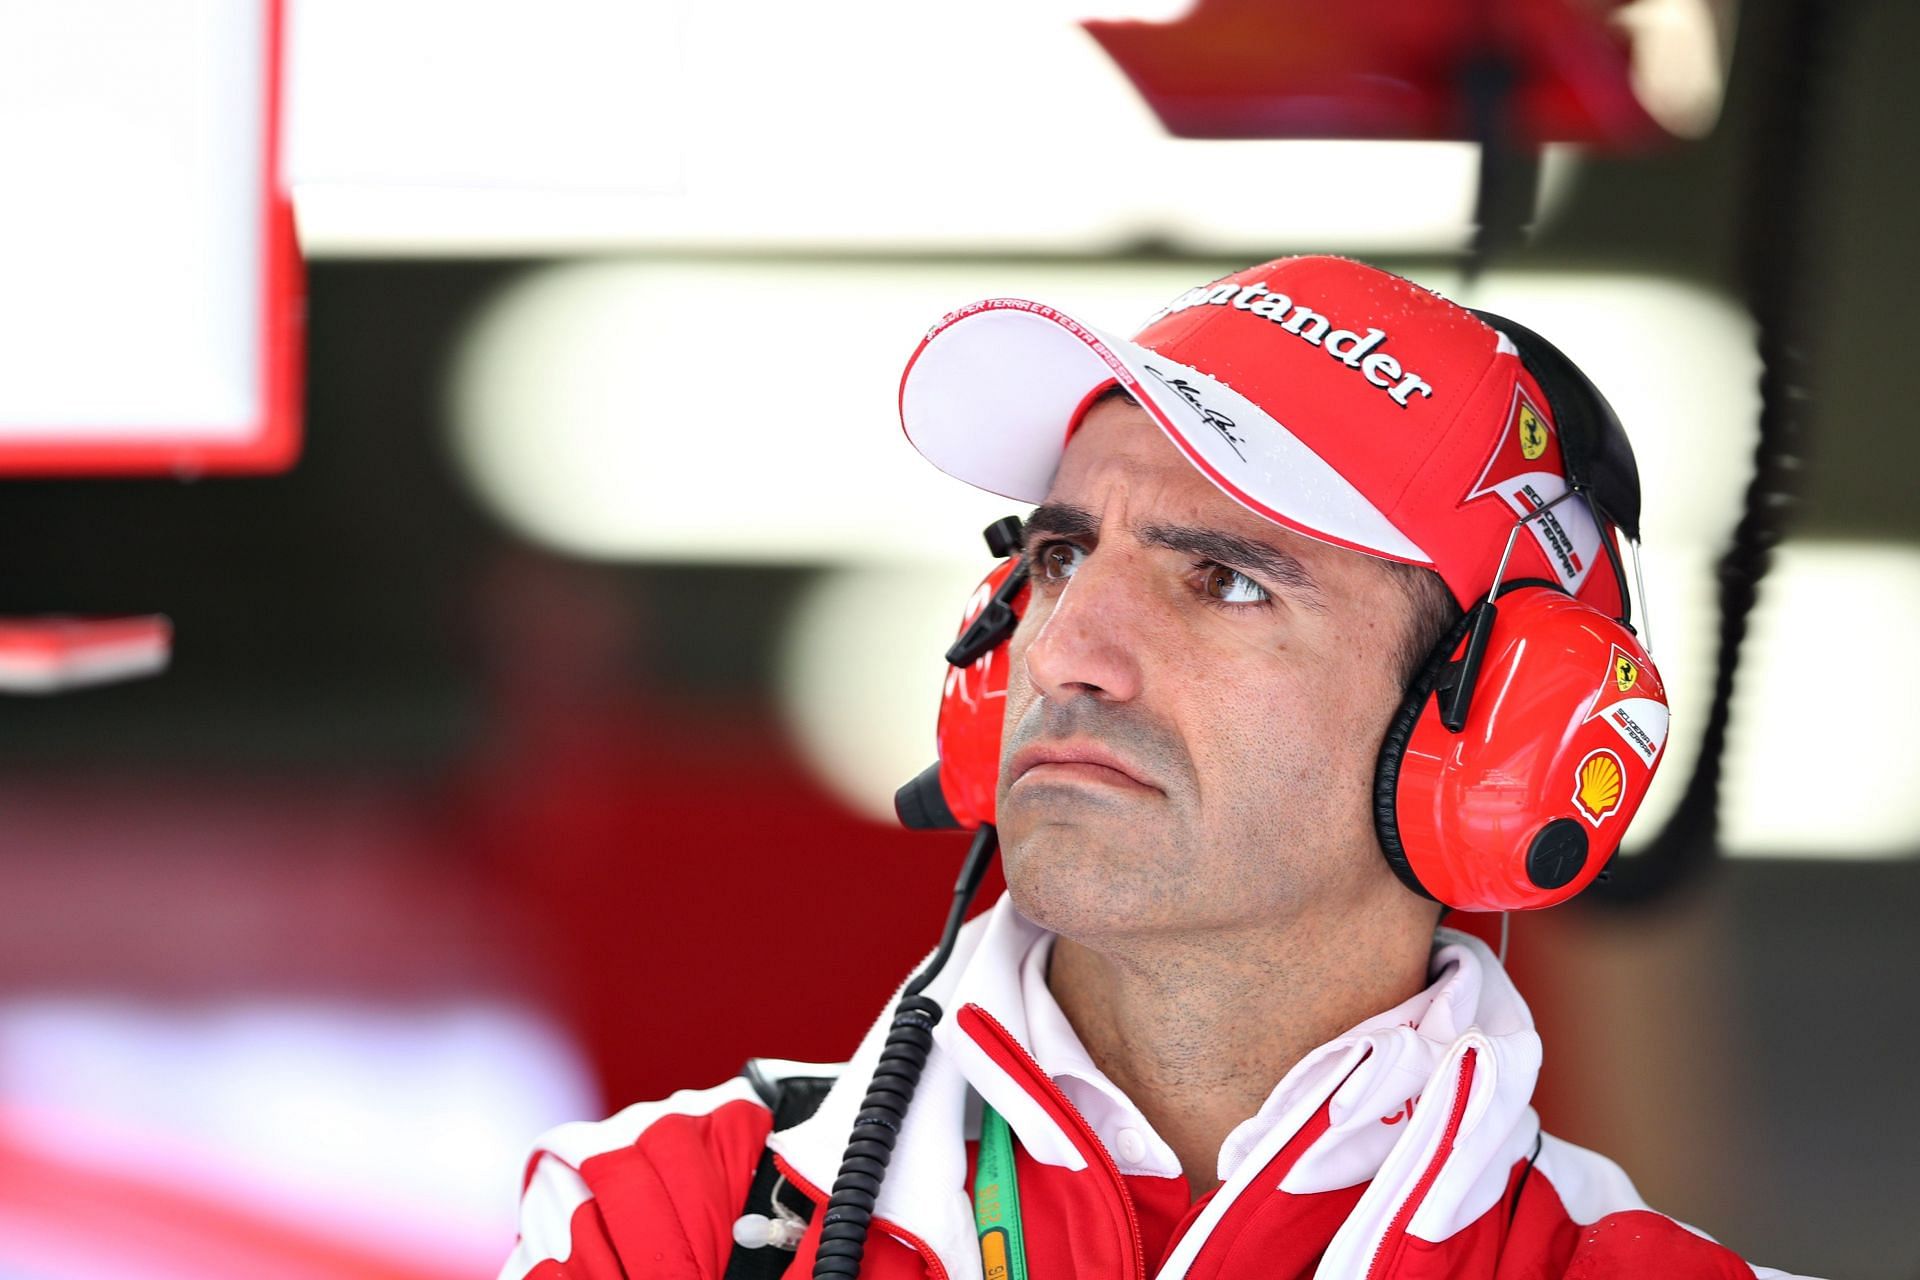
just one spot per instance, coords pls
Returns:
(1020, 690)
(1019, 697)
(1258, 744)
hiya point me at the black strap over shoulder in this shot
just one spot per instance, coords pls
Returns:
(790, 1092)
(792, 1098)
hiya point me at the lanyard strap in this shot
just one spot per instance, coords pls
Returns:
(996, 1201)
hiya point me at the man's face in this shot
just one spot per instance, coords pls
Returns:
(1195, 705)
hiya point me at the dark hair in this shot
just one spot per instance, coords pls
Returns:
(1432, 612)
(1431, 609)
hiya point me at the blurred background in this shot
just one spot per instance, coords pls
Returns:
(545, 660)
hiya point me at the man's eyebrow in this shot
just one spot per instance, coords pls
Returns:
(1270, 562)
(1282, 569)
(1063, 520)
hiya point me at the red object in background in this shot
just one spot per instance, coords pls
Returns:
(271, 441)
(690, 894)
(696, 895)
(47, 655)
(1309, 69)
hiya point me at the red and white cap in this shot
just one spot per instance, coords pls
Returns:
(1341, 401)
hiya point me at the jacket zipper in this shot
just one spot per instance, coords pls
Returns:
(1086, 1139)
(935, 1268)
(1398, 1228)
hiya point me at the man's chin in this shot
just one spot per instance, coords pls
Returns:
(1076, 887)
(1090, 830)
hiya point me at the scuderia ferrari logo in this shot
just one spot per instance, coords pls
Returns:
(1526, 472)
(1632, 703)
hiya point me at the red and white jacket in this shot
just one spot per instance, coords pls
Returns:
(1404, 1149)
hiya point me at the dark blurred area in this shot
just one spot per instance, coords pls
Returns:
(473, 835)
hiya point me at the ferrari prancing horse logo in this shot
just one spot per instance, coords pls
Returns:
(1533, 436)
(1625, 673)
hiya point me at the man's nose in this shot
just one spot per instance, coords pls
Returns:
(1089, 643)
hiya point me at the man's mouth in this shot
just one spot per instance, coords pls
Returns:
(1071, 761)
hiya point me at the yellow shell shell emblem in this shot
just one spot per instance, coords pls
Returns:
(1625, 673)
(1533, 436)
(1599, 784)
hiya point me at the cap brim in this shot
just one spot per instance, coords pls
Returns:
(991, 392)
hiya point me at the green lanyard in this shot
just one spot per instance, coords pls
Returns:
(996, 1201)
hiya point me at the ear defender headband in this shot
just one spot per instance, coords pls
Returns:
(1526, 741)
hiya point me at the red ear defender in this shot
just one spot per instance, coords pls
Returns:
(958, 790)
(1523, 804)
(972, 707)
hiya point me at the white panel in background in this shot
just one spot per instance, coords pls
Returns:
(861, 670)
(442, 127)
(1818, 751)
(569, 96)
(739, 411)
(130, 245)
(1825, 690)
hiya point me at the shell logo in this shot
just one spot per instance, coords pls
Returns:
(1599, 785)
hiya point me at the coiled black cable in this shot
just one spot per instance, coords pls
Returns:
(849, 1213)
(843, 1235)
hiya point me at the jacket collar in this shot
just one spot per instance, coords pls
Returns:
(1385, 1077)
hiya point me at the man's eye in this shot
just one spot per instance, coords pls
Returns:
(1056, 561)
(1230, 585)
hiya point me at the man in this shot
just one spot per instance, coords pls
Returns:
(1215, 1030)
